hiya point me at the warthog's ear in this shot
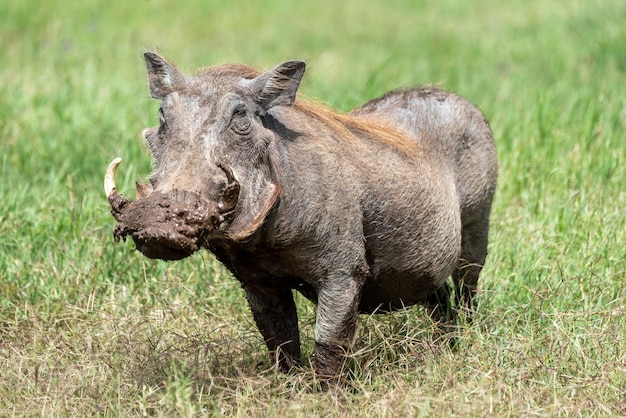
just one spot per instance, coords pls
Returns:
(162, 76)
(278, 87)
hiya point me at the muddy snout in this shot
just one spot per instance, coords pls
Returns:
(168, 226)
(171, 225)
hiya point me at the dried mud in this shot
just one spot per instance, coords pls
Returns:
(167, 226)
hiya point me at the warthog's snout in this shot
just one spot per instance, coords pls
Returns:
(172, 225)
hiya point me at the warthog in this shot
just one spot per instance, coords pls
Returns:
(363, 212)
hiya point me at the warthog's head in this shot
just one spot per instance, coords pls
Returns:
(215, 173)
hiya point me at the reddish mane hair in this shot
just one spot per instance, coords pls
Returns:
(349, 126)
(346, 125)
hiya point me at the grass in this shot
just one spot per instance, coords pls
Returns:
(90, 327)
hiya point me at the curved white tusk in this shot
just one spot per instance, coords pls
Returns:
(109, 177)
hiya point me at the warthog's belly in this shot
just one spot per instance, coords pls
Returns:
(396, 290)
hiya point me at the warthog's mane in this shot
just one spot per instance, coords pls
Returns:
(346, 126)
(350, 127)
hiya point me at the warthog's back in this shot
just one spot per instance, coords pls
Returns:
(452, 126)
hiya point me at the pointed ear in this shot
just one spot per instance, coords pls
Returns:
(278, 87)
(162, 76)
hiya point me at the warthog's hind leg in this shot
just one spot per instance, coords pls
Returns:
(473, 255)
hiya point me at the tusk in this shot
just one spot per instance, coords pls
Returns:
(109, 177)
(230, 195)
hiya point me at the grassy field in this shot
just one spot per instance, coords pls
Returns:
(91, 327)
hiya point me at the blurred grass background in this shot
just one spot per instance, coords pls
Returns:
(89, 326)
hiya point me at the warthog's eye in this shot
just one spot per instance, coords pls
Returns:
(240, 122)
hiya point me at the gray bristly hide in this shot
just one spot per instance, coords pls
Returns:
(369, 211)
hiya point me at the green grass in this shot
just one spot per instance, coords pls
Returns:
(88, 326)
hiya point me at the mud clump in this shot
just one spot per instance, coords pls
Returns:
(167, 226)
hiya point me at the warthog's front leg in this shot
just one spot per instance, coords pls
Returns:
(337, 310)
(274, 312)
